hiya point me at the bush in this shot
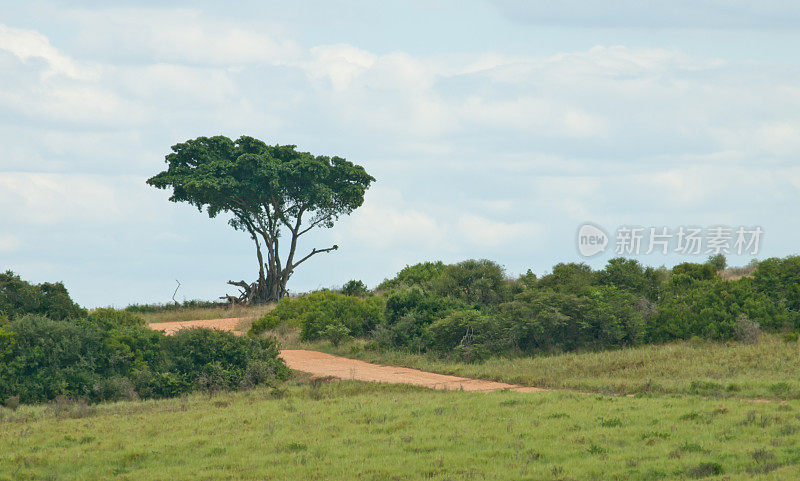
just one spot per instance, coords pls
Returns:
(471, 334)
(313, 313)
(94, 359)
(18, 298)
(543, 319)
(480, 282)
(335, 333)
(747, 331)
(111, 317)
(710, 309)
(698, 272)
(209, 359)
(355, 288)
(417, 275)
(569, 278)
(410, 311)
(779, 279)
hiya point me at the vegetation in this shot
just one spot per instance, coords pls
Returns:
(198, 310)
(471, 310)
(18, 297)
(325, 314)
(763, 370)
(350, 430)
(111, 354)
(270, 191)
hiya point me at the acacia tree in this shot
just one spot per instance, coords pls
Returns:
(274, 193)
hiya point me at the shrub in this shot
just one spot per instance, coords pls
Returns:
(210, 359)
(543, 319)
(625, 274)
(569, 278)
(355, 288)
(335, 333)
(710, 309)
(779, 279)
(111, 317)
(313, 313)
(417, 275)
(471, 334)
(747, 331)
(410, 311)
(42, 359)
(481, 282)
(18, 298)
(718, 261)
(698, 272)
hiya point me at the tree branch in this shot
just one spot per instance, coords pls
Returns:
(313, 252)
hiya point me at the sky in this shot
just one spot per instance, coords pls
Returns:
(495, 129)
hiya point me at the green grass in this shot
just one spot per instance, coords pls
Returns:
(767, 369)
(353, 430)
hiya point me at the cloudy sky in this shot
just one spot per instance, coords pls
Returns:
(494, 128)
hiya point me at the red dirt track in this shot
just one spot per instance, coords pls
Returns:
(320, 364)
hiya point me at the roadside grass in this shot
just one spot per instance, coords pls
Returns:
(250, 313)
(767, 369)
(311, 429)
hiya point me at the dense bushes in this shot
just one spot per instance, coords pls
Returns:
(473, 310)
(50, 347)
(18, 297)
(41, 359)
(325, 314)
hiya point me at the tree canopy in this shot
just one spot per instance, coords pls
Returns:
(274, 193)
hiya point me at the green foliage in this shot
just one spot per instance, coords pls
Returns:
(192, 304)
(99, 358)
(780, 280)
(718, 261)
(544, 319)
(698, 272)
(18, 297)
(481, 282)
(471, 334)
(315, 312)
(111, 317)
(355, 288)
(569, 278)
(335, 333)
(270, 190)
(417, 275)
(410, 311)
(710, 309)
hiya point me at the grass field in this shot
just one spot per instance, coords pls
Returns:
(350, 430)
(767, 369)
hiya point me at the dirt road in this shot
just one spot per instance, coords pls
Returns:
(221, 324)
(320, 364)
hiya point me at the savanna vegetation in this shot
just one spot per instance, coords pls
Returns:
(50, 348)
(471, 311)
(349, 430)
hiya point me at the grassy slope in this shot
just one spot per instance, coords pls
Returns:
(351, 430)
(767, 369)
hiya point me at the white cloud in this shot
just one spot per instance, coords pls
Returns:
(52, 199)
(29, 44)
(492, 233)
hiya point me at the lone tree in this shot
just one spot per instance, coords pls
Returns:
(274, 193)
